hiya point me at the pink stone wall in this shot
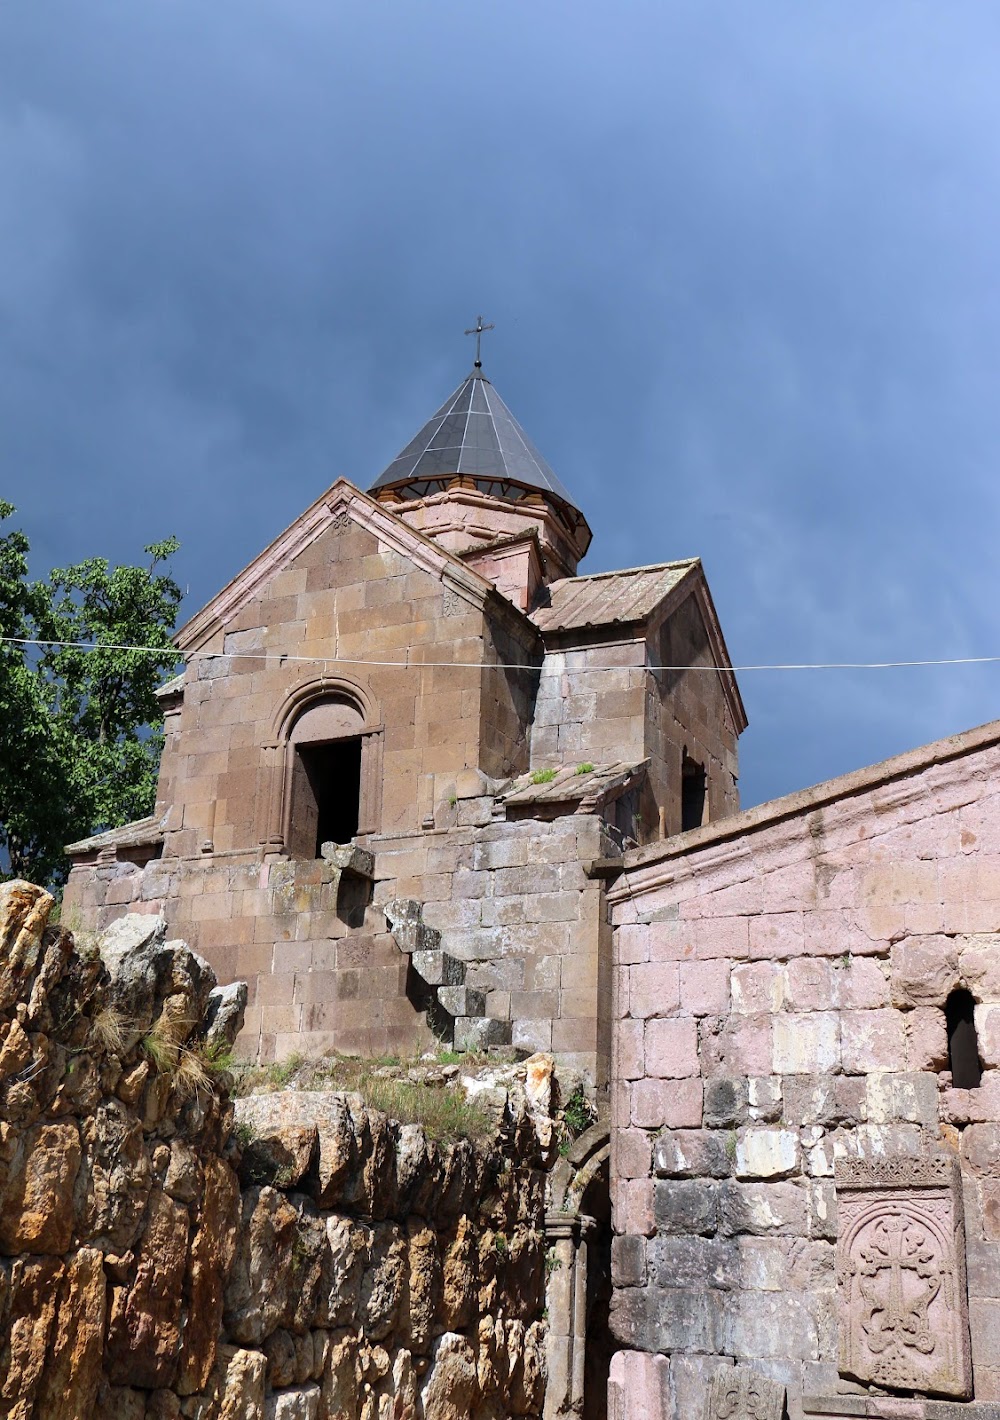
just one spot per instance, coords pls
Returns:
(778, 996)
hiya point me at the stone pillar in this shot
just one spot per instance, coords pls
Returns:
(566, 1302)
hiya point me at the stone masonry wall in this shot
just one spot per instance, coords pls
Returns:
(511, 900)
(780, 985)
(155, 1263)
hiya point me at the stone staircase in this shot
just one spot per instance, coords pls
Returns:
(455, 1012)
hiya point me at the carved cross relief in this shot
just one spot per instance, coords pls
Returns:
(740, 1393)
(901, 1274)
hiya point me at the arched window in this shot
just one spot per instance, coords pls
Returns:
(963, 1045)
(332, 774)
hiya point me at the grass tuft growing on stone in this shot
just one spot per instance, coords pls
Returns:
(542, 776)
(444, 1113)
(410, 1091)
(585, 768)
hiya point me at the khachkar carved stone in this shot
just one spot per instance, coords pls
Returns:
(901, 1274)
(742, 1394)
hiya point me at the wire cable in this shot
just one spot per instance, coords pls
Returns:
(408, 664)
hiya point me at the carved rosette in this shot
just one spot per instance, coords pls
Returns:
(742, 1394)
(901, 1275)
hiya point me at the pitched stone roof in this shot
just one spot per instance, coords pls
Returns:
(475, 435)
(143, 832)
(589, 785)
(607, 598)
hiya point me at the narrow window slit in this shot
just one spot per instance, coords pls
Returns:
(963, 1045)
(692, 794)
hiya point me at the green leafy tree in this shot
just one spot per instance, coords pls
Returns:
(80, 729)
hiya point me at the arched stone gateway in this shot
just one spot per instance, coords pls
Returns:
(578, 1294)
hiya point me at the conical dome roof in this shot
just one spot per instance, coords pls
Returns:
(473, 435)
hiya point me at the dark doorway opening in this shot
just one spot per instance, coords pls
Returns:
(693, 782)
(963, 1044)
(327, 803)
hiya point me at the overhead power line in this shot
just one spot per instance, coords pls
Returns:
(409, 664)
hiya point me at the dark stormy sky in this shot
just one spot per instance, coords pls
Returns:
(742, 259)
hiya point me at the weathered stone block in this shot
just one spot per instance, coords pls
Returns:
(695, 1262)
(691, 1153)
(462, 1000)
(744, 1394)
(763, 1209)
(924, 971)
(628, 1261)
(638, 1385)
(806, 1043)
(872, 1040)
(667, 1104)
(438, 968)
(480, 1032)
(764, 1098)
(912, 1098)
(671, 1048)
(704, 987)
(726, 1102)
(686, 1206)
(757, 988)
(767, 1153)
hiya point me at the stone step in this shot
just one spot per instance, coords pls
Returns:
(479, 1032)
(410, 932)
(462, 1000)
(438, 968)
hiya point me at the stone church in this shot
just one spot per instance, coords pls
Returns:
(423, 781)
(419, 672)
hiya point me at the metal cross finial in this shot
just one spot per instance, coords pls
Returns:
(477, 331)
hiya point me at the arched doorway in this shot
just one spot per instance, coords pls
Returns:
(578, 1229)
(331, 777)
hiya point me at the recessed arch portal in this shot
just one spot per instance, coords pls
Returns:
(329, 749)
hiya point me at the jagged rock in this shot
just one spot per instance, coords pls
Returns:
(224, 1015)
(281, 1155)
(139, 1284)
(302, 1403)
(24, 915)
(144, 1327)
(451, 1382)
(37, 1213)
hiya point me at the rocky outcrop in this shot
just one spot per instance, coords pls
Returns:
(311, 1259)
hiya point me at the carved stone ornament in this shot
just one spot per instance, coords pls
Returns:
(451, 603)
(901, 1274)
(742, 1394)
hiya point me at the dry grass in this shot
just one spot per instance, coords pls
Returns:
(436, 1102)
(444, 1113)
(193, 1074)
(107, 1031)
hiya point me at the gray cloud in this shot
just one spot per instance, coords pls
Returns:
(741, 260)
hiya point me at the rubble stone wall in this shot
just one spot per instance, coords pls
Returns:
(159, 1259)
(780, 1042)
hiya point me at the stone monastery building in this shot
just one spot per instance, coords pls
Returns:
(418, 671)
(422, 780)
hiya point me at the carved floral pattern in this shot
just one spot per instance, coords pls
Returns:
(742, 1394)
